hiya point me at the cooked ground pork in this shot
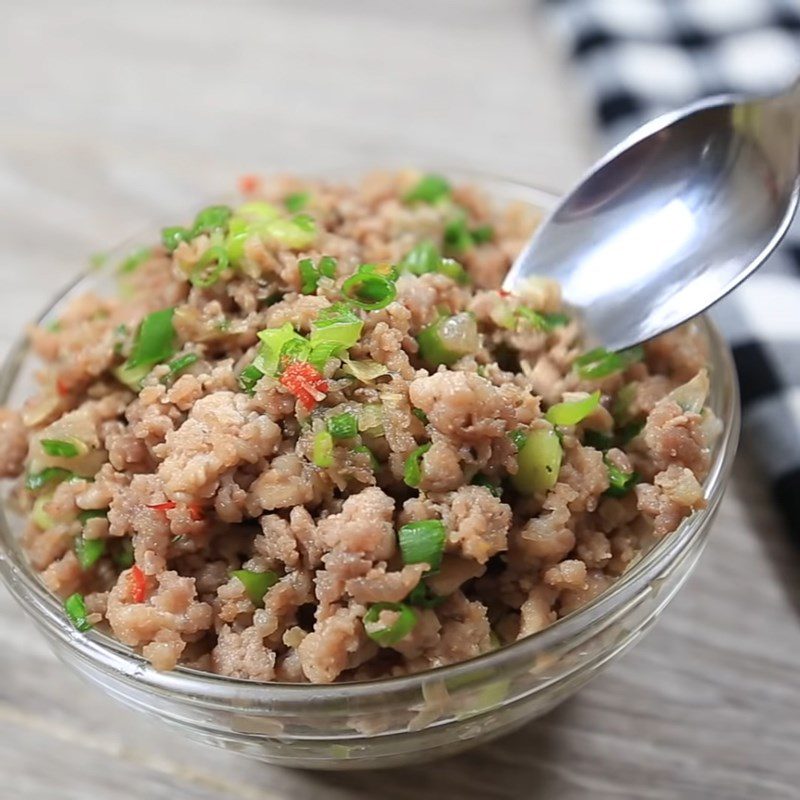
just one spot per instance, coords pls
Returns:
(316, 442)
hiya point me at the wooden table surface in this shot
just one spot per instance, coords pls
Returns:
(118, 115)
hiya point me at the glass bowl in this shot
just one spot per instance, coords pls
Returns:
(397, 720)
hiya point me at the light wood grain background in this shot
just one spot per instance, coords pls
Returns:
(115, 115)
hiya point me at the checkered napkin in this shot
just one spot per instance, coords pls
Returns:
(640, 58)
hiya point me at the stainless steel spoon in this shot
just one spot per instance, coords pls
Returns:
(672, 218)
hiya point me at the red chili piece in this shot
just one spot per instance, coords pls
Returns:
(305, 383)
(196, 512)
(248, 183)
(168, 506)
(139, 588)
(61, 387)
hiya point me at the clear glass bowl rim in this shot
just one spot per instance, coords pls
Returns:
(111, 655)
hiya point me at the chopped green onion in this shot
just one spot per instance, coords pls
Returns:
(89, 551)
(365, 370)
(254, 211)
(339, 324)
(296, 201)
(540, 320)
(322, 450)
(310, 274)
(321, 352)
(448, 339)
(92, 513)
(483, 480)
(598, 440)
(179, 364)
(457, 237)
(539, 461)
(404, 623)
(343, 426)
(123, 558)
(64, 448)
(600, 363)
(425, 258)
(172, 237)
(369, 290)
(518, 437)
(619, 482)
(420, 415)
(297, 233)
(249, 377)
(429, 189)
(256, 584)
(135, 260)
(423, 543)
(422, 258)
(210, 219)
(388, 271)
(275, 344)
(374, 463)
(75, 606)
(37, 480)
(155, 340)
(453, 270)
(482, 234)
(209, 267)
(423, 597)
(412, 471)
(573, 411)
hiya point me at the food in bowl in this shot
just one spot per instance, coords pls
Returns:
(312, 440)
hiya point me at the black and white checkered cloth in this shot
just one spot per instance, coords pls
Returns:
(643, 57)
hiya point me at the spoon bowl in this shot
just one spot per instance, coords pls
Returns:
(673, 218)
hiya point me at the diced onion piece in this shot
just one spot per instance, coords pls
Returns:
(691, 396)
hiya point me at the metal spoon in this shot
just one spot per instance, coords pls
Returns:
(672, 218)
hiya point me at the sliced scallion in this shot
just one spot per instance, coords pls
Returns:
(322, 449)
(37, 480)
(448, 339)
(541, 320)
(412, 470)
(619, 482)
(483, 480)
(256, 584)
(89, 551)
(310, 273)
(63, 448)
(275, 343)
(210, 266)
(600, 363)
(343, 426)
(369, 290)
(373, 461)
(296, 201)
(249, 377)
(386, 635)
(179, 364)
(210, 219)
(538, 462)
(422, 596)
(173, 236)
(75, 606)
(429, 189)
(134, 260)
(423, 543)
(155, 340)
(338, 323)
(92, 513)
(573, 411)
(518, 437)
